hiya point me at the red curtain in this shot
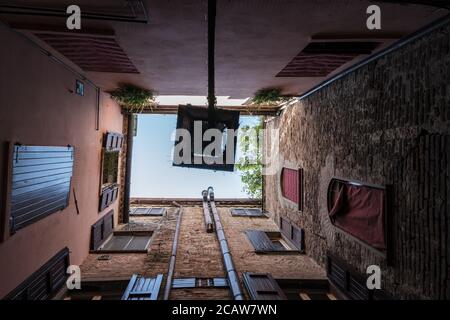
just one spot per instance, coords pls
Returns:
(359, 210)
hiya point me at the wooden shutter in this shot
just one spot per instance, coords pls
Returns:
(140, 288)
(260, 241)
(108, 196)
(101, 230)
(113, 141)
(247, 212)
(184, 283)
(262, 286)
(146, 211)
(352, 284)
(295, 235)
(41, 177)
(292, 186)
(45, 282)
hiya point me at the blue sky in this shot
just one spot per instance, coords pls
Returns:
(152, 173)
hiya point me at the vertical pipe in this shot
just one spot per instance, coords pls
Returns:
(173, 256)
(126, 191)
(211, 47)
(208, 222)
(233, 278)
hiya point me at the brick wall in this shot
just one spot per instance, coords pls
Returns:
(198, 253)
(387, 123)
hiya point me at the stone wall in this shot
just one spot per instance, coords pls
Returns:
(387, 124)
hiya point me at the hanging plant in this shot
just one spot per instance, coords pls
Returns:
(132, 98)
(269, 96)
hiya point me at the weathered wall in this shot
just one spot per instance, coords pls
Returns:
(198, 253)
(387, 123)
(37, 108)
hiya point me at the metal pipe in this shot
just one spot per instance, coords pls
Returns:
(211, 44)
(400, 44)
(208, 222)
(173, 256)
(126, 189)
(233, 279)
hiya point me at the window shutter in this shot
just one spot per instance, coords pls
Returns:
(113, 141)
(294, 234)
(145, 211)
(101, 230)
(247, 212)
(292, 186)
(41, 177)
(140, 288)
(348, 281)
(183, 283)
(260, 241)
(45, 282)
(108, 196)
(262, 286)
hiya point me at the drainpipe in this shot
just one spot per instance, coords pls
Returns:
(126, 190)
(208, 222)
(233, 279)
(173, 256)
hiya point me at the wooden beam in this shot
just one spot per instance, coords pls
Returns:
(195, 201)
(244, 110)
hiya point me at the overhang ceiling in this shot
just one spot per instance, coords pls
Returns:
(255, 40)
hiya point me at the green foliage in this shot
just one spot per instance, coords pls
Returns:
(250, 165)
(268, 96)
(133, 98)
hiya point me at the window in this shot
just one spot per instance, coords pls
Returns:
(110, 168)
(247, 212)
(126, 242)
(292, 186)
(189, 283)
(359, 210)
(109, 188)
(351, 283)
(295, 235)
(307, 289)
(270, 242)
(105, 240)
(262, 286)
(147, 211)
(39, 183)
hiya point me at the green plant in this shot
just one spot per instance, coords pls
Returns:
(250, 164)
(133, 98)
(268, 96)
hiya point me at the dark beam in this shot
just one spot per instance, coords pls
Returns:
(194, 201)
(244, 110)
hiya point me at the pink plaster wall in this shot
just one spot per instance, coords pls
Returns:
(37, 108)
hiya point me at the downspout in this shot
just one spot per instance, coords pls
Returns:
(126, 190)
(233, 279)
(208, 222)
(173, 256)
